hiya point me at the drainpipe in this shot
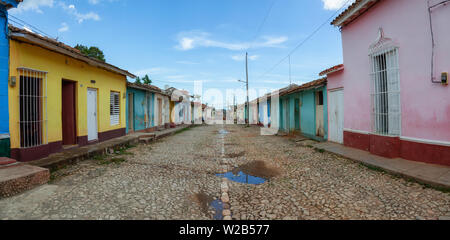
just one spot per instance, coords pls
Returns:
(433, 44)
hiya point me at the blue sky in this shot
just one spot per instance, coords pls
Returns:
(179, 41)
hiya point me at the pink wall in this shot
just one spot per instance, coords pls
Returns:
(335, 80)
(425, 105)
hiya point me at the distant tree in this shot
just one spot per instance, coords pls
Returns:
(138, 80)
(94, 52)
(146, 80)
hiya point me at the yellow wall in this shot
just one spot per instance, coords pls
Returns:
(61, 67)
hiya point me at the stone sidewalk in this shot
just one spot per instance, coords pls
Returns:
(434, 175)
(74, 155)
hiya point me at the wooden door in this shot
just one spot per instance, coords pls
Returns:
(336, 116)
(160, 112)
(320, 127)
(69, 132)
(130, 112)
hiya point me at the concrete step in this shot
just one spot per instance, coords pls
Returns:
(4, 161)
(18, 178)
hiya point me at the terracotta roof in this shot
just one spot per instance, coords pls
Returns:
(353, 11)
(312, 84)
(54, 45)
(147, 87)
(332, 70)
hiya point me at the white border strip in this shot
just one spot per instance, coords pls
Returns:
(410, 139)
(356, 131)
(426, 141)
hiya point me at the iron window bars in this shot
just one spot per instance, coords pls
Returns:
(33, 129)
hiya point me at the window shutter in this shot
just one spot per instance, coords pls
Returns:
(114, 108)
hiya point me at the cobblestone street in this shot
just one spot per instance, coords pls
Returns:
(176, 178)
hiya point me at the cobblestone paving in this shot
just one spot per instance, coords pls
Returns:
(159, 181)
(175, 178)
(315, 185)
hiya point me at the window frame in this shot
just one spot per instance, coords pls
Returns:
(114, 108)
(385, 90)
(27, 120)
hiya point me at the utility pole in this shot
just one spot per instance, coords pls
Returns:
(248, 104)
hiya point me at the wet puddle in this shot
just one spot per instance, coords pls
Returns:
(218, 208)
(206, 202)
(223, 132)
(241, 177)
(256, 172)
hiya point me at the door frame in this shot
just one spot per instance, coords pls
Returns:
(330, 125)
(160, 107)
(130, 112)
(75, 132)
(87, 118)
(322, 117)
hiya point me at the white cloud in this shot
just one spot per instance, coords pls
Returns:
(32, 5)
(187, 62)
(335, 4)
(95, 2)
(241, 58)
(193, 39)
(64, 27)
(153, 71)
(81, 17)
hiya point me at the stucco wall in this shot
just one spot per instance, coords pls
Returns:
(307, 100)
(335, 80)
(425, 105)
(140, 109)
(60, 67)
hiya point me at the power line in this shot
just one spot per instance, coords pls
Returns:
(305, 40)
(263, 22)
(24, 23)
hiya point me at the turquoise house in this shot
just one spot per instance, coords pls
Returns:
(143, 109)
(303, 110)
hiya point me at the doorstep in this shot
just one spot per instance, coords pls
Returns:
(20, 177)
(431, 174)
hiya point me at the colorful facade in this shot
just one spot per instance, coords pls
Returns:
(395, 100)
(180, 106)
(303, 110)
(60, 98)
(147, 107)
(4, 76)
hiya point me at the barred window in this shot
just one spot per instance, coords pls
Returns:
(385, 91)
(33, 107)
(114, 109)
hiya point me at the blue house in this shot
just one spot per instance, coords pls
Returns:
(4, 76)
(147, 108)
(303, 110)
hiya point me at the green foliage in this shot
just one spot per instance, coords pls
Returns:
(138, 80)
(146, 80)
(93, 52)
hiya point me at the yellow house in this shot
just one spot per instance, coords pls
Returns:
(60, 98)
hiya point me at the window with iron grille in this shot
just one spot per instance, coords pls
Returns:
(385, 92)
(33, 107)
(114, 109)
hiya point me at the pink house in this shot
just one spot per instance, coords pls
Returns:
(391, 97)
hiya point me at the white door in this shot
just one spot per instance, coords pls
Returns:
(336, 114)
(92, 114)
